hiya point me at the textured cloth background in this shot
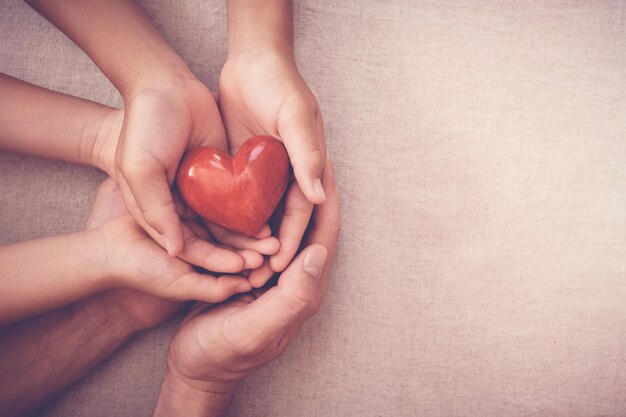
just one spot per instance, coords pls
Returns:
(481, 150)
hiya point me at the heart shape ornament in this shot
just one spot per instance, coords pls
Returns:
(239, 193)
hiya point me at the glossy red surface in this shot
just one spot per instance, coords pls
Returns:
(239, 193)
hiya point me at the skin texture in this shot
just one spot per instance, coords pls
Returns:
(81, 131)
(68, 342)
(217, 346)
(262, 92)
(168, 111)
(117, 254)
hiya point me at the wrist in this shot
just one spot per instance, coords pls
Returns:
(182, 396)
(242, 44)
(162, 75)
(95, 312)
(86, 250)
(252, 25)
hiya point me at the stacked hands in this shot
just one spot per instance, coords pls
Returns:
(144, 252)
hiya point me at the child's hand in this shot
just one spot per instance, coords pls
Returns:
(162, 120)
(133, 260)
(136, 309)
(261, 92)
(198, 244)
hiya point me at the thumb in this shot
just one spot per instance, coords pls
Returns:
(284, 308)
(149, 199)
(301, 128)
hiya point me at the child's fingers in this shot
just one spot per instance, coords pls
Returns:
(147, 194)
(251, 258)
(266, 246)
(209, 256)
(207, 288)
(292, 227)
(258, 277)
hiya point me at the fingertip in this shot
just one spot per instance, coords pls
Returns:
(275, 246)
(318, 189)
(171, 249)
(313, 190)
(259, 277)
(314, 260)
(244, 287)
(269, 246)
(278, 262)
(252, 259)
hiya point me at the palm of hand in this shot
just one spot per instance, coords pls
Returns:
(163, 126)
(261, 92)
(160, 124)
(253, 89)
(222, 343)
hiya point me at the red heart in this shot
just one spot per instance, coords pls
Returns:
(239, 193)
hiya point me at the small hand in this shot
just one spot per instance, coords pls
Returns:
(133, 260)
(199, 249)
(162, 120)
(222, 344)
(261, 92)
(137, 309)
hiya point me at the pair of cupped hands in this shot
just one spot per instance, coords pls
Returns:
(153, 244)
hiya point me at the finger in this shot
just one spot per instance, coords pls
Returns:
(147, 195)
(207, 288)
(252, 259)
(284, 308)
(292, 227)
(258, 277)
(265, 246)
(209, 256)
(301, 128)
(326, 223)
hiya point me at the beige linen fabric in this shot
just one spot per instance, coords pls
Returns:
(481, 150)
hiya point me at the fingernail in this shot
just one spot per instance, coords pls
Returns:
(243, 287)
(314, 261)
(319, 190)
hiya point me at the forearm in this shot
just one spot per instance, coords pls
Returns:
(117, 36)
(48, 124)
(42, 356)
(192, 398)
(260, 24)
(42, 274)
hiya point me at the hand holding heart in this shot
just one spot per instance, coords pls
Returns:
(261, 92)
(237, 193)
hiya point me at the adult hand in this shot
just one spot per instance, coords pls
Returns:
(217, 346)
(261, 92)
